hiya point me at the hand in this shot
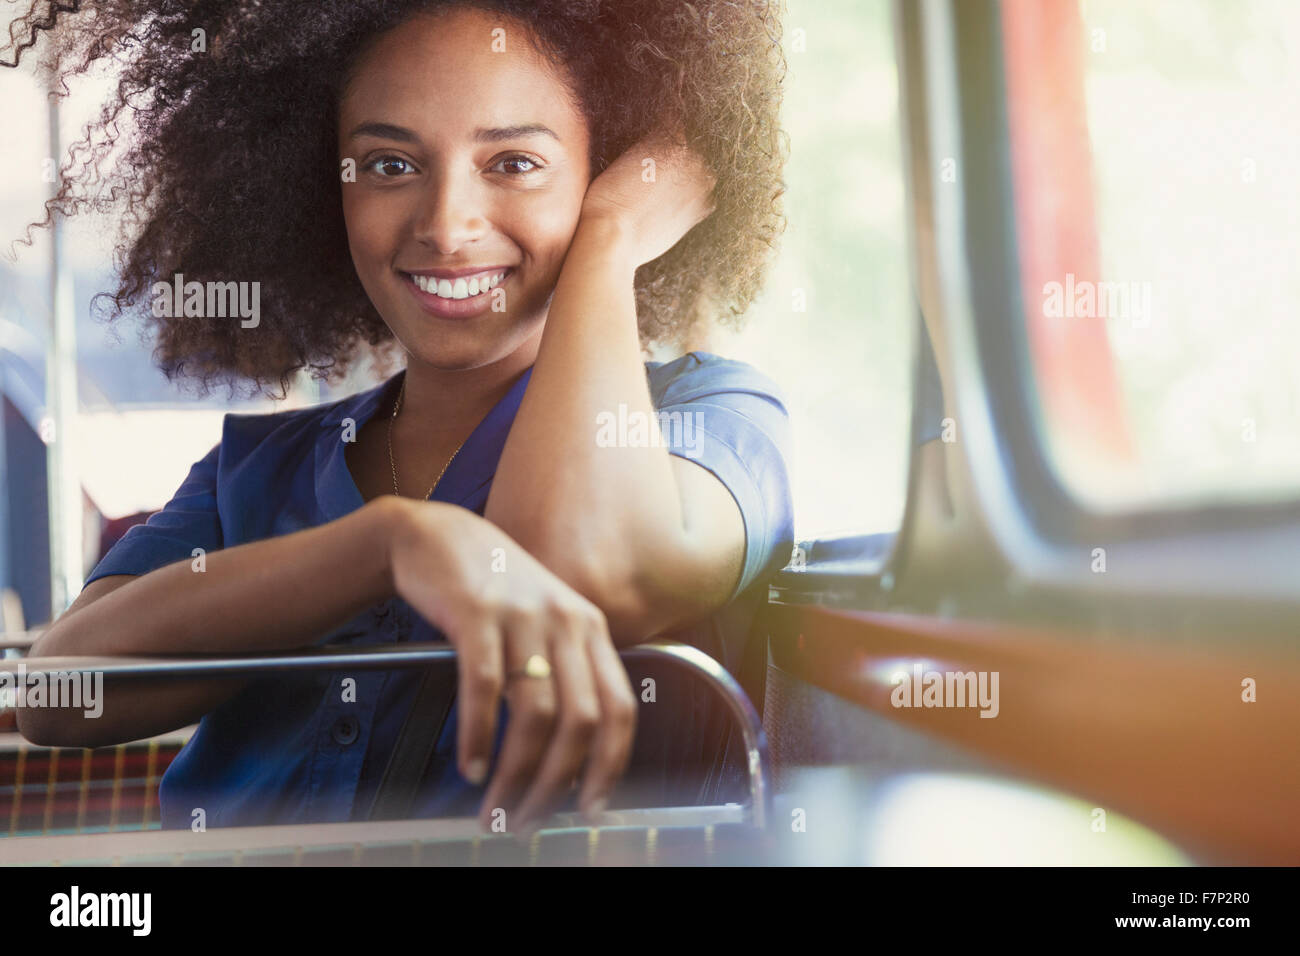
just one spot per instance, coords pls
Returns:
(652, 215)
(499, 606)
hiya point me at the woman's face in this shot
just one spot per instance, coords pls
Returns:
(471, 160)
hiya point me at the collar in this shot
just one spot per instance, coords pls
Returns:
(467, 479)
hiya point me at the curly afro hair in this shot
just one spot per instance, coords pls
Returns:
(198, 182)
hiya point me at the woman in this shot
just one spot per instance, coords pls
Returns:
(521, 196)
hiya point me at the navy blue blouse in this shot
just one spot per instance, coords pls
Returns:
(296, 748)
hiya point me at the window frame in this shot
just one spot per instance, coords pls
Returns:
(1019, 544)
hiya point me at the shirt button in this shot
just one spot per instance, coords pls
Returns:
(382, 611)
(345, 730)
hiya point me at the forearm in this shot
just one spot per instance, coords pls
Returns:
(268, 595)
(284, 592)
(589, 511)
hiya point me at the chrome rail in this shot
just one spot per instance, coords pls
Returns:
(423, 654)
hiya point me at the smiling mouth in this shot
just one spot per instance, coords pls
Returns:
(463, 287)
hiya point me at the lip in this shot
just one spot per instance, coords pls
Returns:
(455, 273)
(452, 308)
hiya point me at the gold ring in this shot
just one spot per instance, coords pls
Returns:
(536, 666)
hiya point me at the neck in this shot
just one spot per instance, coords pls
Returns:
(456, 400)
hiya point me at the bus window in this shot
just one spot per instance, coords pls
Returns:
(1156, 215)
(839, 301)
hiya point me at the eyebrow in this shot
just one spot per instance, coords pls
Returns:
(499, 133)
(493, 134)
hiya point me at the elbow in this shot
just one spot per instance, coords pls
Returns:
(54, 726)
(631, 614)
(42, 727)
(33, 729)
(618, 590)
(605, 578)
(67, 727)
(644, 589)
(641, 600)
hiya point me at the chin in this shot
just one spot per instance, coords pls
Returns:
(461, 353)
(450, 358)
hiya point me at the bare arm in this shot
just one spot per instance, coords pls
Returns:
(655, 541)
(284, 592)
(279, 593)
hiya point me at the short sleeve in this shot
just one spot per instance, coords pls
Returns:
(731, 419)
(186, 522)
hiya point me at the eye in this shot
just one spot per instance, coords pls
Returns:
(517, 164)
(389, 167)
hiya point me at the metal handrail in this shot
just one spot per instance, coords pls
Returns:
(423, 654)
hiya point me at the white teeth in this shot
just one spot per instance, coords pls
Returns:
(459, 288)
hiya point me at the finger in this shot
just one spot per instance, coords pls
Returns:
(480, 668)
(612, 748)
(532, 705)
(579, 719)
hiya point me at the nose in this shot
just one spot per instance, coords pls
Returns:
(451, 212)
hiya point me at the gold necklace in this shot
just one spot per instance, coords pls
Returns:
(393, 462)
